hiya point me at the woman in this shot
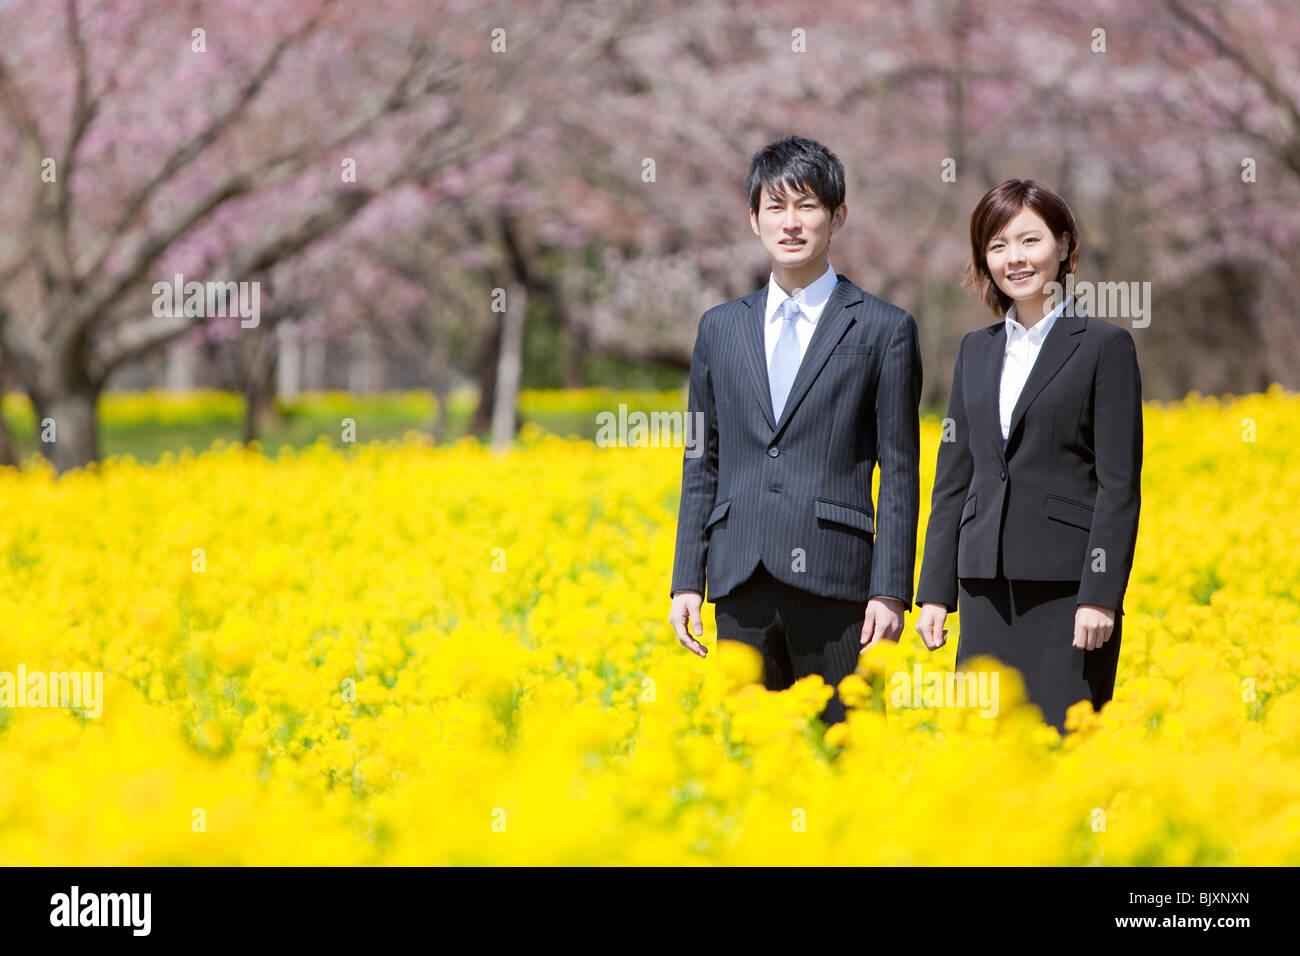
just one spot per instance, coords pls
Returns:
(1034, 514)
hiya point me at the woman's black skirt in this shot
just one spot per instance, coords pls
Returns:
(1029, 625)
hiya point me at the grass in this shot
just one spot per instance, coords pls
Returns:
(144, 425)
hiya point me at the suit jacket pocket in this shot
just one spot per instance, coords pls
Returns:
(968, 511)
(1068, 511)
(851, 348)
(844, 514)
(719, 512)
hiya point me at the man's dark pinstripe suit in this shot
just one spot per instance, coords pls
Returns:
(789, 501)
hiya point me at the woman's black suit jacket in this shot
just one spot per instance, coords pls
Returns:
(1061, 502)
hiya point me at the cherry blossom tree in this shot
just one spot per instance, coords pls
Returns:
(218, 140)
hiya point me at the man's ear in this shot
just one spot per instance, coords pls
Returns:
(753, 222)
(837, 218)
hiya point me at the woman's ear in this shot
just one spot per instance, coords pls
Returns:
(1063, 247)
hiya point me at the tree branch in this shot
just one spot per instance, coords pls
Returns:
(84, 110)
(1254, 66)
(32, 149)
(192, 149)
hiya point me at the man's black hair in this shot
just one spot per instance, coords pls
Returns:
(801, 163)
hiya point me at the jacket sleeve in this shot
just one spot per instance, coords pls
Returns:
(898, 438)
(699, 474)
(1117, 430)
(952, 476)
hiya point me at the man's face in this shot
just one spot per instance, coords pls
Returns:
(794, 226)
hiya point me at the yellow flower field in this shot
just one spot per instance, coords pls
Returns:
(400, 654)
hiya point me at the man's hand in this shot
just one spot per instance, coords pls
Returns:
(1092, 626)
(884, 619)
(686, 609)
(929, 624)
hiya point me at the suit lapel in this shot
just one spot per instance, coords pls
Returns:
(831, 325)
(990, 388)
(1056, 350)
(836, 317)
(754, 353)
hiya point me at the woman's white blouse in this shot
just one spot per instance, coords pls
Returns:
(1018, 358)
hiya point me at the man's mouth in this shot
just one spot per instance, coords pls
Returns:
(793, 243)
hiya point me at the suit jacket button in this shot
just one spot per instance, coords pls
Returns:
(772, 452)
(1003, 476)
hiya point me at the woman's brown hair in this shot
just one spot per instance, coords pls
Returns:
(999, 206)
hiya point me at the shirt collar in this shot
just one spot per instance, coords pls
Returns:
(812, 298)
(1039, 332)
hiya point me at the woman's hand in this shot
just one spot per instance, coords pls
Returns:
(1092, 626)
(929, 624)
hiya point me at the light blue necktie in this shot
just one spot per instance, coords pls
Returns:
(785, 358)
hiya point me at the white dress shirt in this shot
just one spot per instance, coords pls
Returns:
(1018, 358)
(812, 300)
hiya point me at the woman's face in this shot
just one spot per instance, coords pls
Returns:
(1024, 256)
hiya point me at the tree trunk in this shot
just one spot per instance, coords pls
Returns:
(313, 366)
(575, 353)
(259, 383)
(180, 362)
(509, 369)
(288, 363)
(258, 410)
(440, 386)
(486, 376)
(8, 455)
(67, 425)
(359, 363)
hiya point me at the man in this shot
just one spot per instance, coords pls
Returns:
(803, 386)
